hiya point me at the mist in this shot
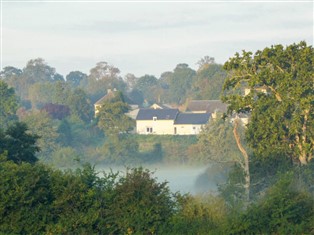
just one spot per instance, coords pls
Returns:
(183, 179)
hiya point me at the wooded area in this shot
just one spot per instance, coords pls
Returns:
(48, 124)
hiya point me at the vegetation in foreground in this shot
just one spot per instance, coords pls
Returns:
(269, 189)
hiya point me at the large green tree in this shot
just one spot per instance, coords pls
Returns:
(112, 118)
(280, 97)
(8, 104)
(141, 205)
(80, 105)
(41, 124)
(208, 81)
(74, 78)
(179, 82)
(17, 144)
(147, 85)
(101, 78)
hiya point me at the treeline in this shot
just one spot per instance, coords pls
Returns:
(268, 162)
(38, 84)
(35, 199)
(60, 110)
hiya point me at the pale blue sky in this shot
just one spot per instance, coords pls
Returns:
(146, 37)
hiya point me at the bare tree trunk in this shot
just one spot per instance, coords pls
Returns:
(246, 166)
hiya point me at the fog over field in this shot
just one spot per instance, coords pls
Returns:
(182, 179)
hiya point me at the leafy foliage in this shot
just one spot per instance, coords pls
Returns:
(41, 124)
(283, 210)
(280, 98)
(17, 144)
(112, 118)
(8, 104)
(141, 205)
(216, 142)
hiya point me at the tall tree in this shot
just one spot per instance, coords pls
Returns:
(75, 77)
(206, 60)
(280, 96)
(130, 81)
(112, 118)
(8, 104)
(180, 83)
(101, 78)
(222, 141)
(208, 81)
(18, 144)
(80, 105)
(38, 70)
(9, 71)
(147, 85)
(141, 204)
(39, 123)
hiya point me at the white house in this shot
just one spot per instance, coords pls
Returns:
(169, 122)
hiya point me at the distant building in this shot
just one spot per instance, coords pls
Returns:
(110, 95)
(169, 122)
(156, 121)
(216, 108)
(190, 123)
(207, 106)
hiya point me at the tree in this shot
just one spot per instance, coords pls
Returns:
(180, 83)
(217, 144)
(285, 209)
(141, 205)
(19, 145)
(8, 105)
(41, 124)
(80, 105)
(208, 81)
(40, 94)
(130, 81)
(56, 111)
(38, 70)
(148, 85)
(112, 118)
(9, 71)
(280, 94)
(221, 141)
(25, 198)
(101, 78)
(205, 61)
(75, 77)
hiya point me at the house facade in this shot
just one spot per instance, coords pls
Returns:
(190, 123)
(169, 122)
(156, 121)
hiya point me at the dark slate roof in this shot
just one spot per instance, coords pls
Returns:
(161, 114)
(192, 118)
(210, 106)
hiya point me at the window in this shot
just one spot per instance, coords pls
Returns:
(149, 130)
(154, 118)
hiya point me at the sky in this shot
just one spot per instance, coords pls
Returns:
(145, 37)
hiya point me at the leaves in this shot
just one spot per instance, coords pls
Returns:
(280, 100)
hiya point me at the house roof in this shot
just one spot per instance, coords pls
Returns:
(160, 106)
(110, 95)
(209, 106)
(192, 118)
(161, 114)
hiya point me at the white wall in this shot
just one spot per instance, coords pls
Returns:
(159, 127)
